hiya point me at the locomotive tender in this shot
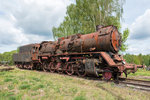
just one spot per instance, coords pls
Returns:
(90, 54)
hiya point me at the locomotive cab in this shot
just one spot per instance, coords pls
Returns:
(35, 52)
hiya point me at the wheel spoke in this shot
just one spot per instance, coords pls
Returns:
(69, 70)
(52, 67)
(45, 66)
(59, 67)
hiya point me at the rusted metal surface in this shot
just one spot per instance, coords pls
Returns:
(27, 53)
(70, 68)
(133, 67)
(22, 57)
(105, 39)
(107, 74)
(108, 59)
(90, 67)
(26, 48)
(47, 47)
(35, 52)
(90, 54)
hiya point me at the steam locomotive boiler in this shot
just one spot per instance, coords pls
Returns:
(90, 54)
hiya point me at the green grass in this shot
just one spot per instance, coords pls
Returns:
(80, 98)
(7, 80)
(36, 87)
(141, 72)
(24, 86)
(32, 85)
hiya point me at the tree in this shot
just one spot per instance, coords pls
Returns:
(124, 39)
(138, 59)
(83, 16)
(7, 56)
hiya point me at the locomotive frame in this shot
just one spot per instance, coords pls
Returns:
(91, 54)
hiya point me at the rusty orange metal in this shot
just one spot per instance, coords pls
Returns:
(90, 54)
(35, 52)
(105, 39)
(108, 59)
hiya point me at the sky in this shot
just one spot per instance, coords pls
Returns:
(31, 21)
(136, 17)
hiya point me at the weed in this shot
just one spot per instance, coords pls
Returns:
(7, 93)
(15, 97)
(24, 82)
(57, 89)
(36, 79)
(10, 87)
(9, 76)
(112, 84)
(38, 87)
(28, 85)
(15, 81)
(35, 93)
(24, 86)
(7, 80)
(73, 90)
(2, 73)
(80, 98)
(140, 73)
(49, 83)
(12, 98)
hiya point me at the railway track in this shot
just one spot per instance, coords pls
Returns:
(133, 83)
(137, 84)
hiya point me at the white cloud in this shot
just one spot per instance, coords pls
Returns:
(11, 37)
(9, 34)
(137, 47)
(140, 28)
(139, 39)
(29, 21)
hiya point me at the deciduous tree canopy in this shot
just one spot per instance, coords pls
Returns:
(138, 59)
(7, 57)
(83, 16)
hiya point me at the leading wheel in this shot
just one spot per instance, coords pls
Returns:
(107, 74)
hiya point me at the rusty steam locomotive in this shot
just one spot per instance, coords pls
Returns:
(90, 54)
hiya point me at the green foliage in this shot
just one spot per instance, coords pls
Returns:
(138, 59)
(10, 87)
(83, 16)
(59, 87)
(24, 86)
(141, 73)
(7, 57)
(7, 80)
(36, 87)
(124, 39)
(80, 98)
